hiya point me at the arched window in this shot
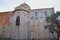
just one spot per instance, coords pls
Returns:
(17, 21)
(36, 16)
(35, 13)
(45, 13)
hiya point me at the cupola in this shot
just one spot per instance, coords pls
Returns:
(23, 7)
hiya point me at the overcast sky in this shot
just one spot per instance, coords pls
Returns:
(9, 5)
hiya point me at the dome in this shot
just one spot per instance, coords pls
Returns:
(23, 6)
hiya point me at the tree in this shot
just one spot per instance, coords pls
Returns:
(52, 24)
(58, 24)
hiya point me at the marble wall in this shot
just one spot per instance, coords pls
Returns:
(31, 25)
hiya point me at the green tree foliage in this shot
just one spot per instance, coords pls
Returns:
(52, 22)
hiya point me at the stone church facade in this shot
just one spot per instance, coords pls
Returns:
(25, 23)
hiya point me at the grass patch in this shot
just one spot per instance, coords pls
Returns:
(5, 39)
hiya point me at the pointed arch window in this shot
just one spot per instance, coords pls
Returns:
(17, 21)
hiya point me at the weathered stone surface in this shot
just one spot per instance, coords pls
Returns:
(31, 25)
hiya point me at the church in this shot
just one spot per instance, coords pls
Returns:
(25, 23)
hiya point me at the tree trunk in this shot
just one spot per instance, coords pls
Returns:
(54, 38)
(57, 30)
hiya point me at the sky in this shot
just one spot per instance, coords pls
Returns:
(9, 5)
